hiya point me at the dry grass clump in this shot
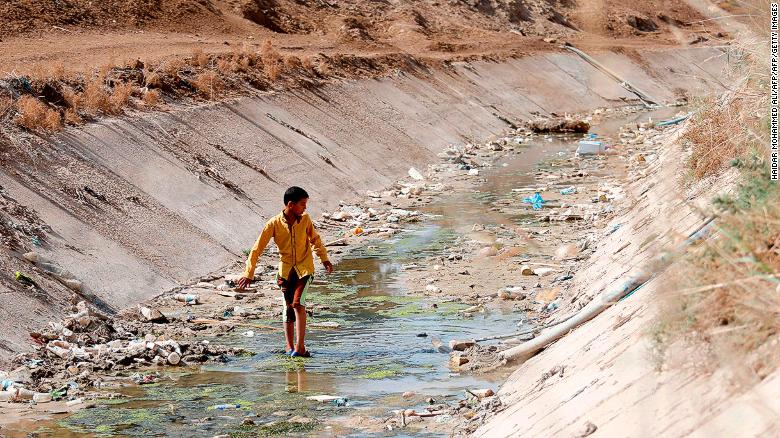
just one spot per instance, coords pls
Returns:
(36, 116)
(714, 136)
(272, 61)
(208, 84)
(292, 63)
(151, 98)
(120, 97)
(72, 117)
(96, 99)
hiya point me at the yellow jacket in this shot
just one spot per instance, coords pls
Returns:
(295, 244)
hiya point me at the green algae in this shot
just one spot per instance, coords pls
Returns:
(278, 428)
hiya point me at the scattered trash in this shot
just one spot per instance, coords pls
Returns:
(357, 231)
(249, 334)
(569, 191)
(536, 201)
(473, 172)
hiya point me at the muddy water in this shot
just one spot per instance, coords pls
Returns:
(381, 349)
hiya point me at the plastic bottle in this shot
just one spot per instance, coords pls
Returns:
(186, 298)
(225, 406)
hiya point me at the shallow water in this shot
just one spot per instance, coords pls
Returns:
(382, 348)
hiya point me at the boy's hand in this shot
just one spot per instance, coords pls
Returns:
(243, 283)
(328, 267)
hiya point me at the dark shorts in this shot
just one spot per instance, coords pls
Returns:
(289, 287)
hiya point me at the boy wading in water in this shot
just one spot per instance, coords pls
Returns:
(294, 234)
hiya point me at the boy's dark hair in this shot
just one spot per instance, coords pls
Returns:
(294, 194)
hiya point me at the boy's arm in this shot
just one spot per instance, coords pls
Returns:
(260, 244)
(319, 247)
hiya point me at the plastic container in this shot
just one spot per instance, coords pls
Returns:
(590, 147)
(225, 407)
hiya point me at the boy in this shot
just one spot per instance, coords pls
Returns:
(294, 234)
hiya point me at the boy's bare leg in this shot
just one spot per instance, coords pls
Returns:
(288, 335)
(300, 328)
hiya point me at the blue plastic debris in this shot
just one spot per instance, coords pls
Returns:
(674, 121)
(536, 201)
(340, 402)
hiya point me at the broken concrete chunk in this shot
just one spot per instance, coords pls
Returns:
(152, 315)
(415, 174)
(543, 271)
(462, 344)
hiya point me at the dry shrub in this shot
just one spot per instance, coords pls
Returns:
(151, 98)
(224, 66)
(199, 58)
(208, 84)
(153, 80)
(95, 98)
(72, 99)
(173, 66)
(292, 63)
(272, 61)
(72, 117)
(106, 69)
(120, 97)
(725, 293)
(35, 115)
(308, 64)
(714, 137)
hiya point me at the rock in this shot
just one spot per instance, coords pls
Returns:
(415, 174)
(460, 345)
(457, 360)
(642, 24)
(488, 251)
(340, 216)
(504, 295)
(152, 315)
(408, 394)
(281, 414)
(526, 270)
(432, 288)
(174, 358)
(373, 194)
(566, 251)
(587, 430)
(482, 393)
(543, 271)
(248, 422)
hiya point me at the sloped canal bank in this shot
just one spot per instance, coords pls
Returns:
(378, 352)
